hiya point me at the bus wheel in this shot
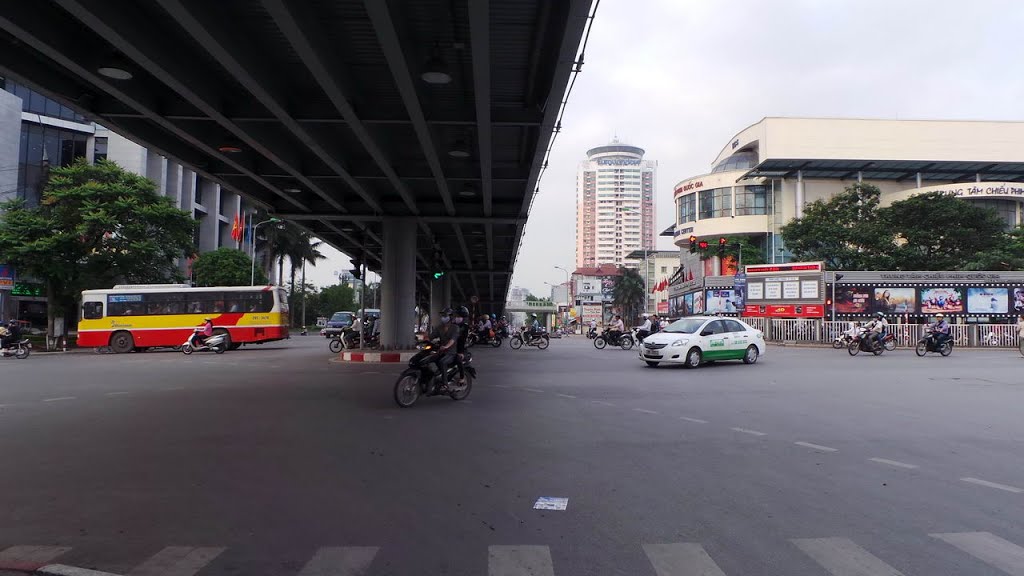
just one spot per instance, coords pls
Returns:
(227, 338)
(122, 342)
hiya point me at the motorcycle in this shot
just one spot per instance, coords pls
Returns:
(541, 340)
(350, 340)
(335, 345)
(842, 341)
(859, 344)
(929, 343)
(19, 349)
(624, 341)
(214, 343)
(418, 379)
(592, 333)
(492, 338)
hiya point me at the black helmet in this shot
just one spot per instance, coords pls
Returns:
(462, 311)
(446, 312)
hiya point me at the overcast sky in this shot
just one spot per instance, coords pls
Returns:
(680, 77)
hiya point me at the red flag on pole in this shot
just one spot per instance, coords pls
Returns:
(236, 227)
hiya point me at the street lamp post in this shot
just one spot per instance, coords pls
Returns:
(252, 269)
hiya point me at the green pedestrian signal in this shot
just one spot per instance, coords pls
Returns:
(437, 275)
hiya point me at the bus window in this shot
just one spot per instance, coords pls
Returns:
(124, 305)
(92, 310)
(282, 299)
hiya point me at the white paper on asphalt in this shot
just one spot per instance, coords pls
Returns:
(549, 503)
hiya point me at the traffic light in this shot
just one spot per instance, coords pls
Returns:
(693, 243)
(828, 302)
(722, 243)
(438, 275)
(703, 244)
(357, 268)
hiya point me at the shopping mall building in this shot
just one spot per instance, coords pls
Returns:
(766, 173)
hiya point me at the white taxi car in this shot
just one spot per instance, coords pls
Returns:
(697, 339)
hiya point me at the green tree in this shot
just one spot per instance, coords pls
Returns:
(1008, 255)
(937, 231)
(225, 267)
(735, 246)
(843, 231)
(95, 225)
(629, 293)
(337, 298)
(305, 248)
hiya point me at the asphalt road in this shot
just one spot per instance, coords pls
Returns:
(273, 460)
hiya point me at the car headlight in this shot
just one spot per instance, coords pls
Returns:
(680, 342)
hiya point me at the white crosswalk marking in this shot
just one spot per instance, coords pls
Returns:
(843, 557)
(176, 561)
(681, 559)
(988, 548)
(29, 555)
(340, 561)
(519, 561)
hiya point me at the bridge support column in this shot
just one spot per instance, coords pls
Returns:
(398, 284)
(440, 298)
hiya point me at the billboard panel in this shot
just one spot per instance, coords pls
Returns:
(698, 303)
(853, 299)
(945, 299)
(722, 301)
(988, 300)
(896, 300)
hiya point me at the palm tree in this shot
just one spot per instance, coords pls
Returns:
(276, 242)
(629, 293)
(305, 249)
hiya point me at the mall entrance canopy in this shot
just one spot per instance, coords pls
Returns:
(410, 133)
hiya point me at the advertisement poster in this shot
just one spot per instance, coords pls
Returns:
(934, 300)
(698, 303)
(987, 300)
(755, 291)
(688, 304)
(1018, 300)
(809, 289)
(853, 300)
(791, 290)
(896, 300)
(590, 312)
(675, 306)
(722, 301)
(772, 290)
(739, 284)
(608, 287)
(663, 308)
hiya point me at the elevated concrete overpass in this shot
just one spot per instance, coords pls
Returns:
(408, 133)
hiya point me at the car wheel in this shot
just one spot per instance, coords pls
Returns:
(693, 358)
(751, 355)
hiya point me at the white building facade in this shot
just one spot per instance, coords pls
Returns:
(615, 212)
(768, 172)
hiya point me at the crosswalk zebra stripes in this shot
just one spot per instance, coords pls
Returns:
(835, 555)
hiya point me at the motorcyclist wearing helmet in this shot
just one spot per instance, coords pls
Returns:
(461, 320)
(447, 335)
(535, 327)
(939, 330)
(644, 330)
(484, 328)
(13, 335)
(877, 328)
(206, 332)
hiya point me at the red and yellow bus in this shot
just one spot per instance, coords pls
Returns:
(136, 317)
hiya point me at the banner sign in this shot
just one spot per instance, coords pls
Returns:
(782, 288)
(785, 310)
(6, 277)
(663, 307)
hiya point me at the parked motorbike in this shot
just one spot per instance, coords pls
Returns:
(859, 344)
(419, 378)
(842, 341)
(541, 340)
(929, 343)
(213, 344)
(19, 349)
(624, 341)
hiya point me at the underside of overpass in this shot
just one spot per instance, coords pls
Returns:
(423, 124)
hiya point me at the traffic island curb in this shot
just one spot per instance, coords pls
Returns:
(376, 357)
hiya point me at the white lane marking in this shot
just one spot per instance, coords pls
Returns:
(519, 560)
(995, 485)
(751, 432)
(816, 446)
(63, 570)
(532, 390)
(988, 548)
(694, 420)
(565, 395)
(550, 503)
(59, 399)
(602, 402)
(644, 411)
(340, 561)
(117, 393)
(895, 463)
(843, 557)
(31, 554)
(176, 561)
(681, 559)
(174, 388)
